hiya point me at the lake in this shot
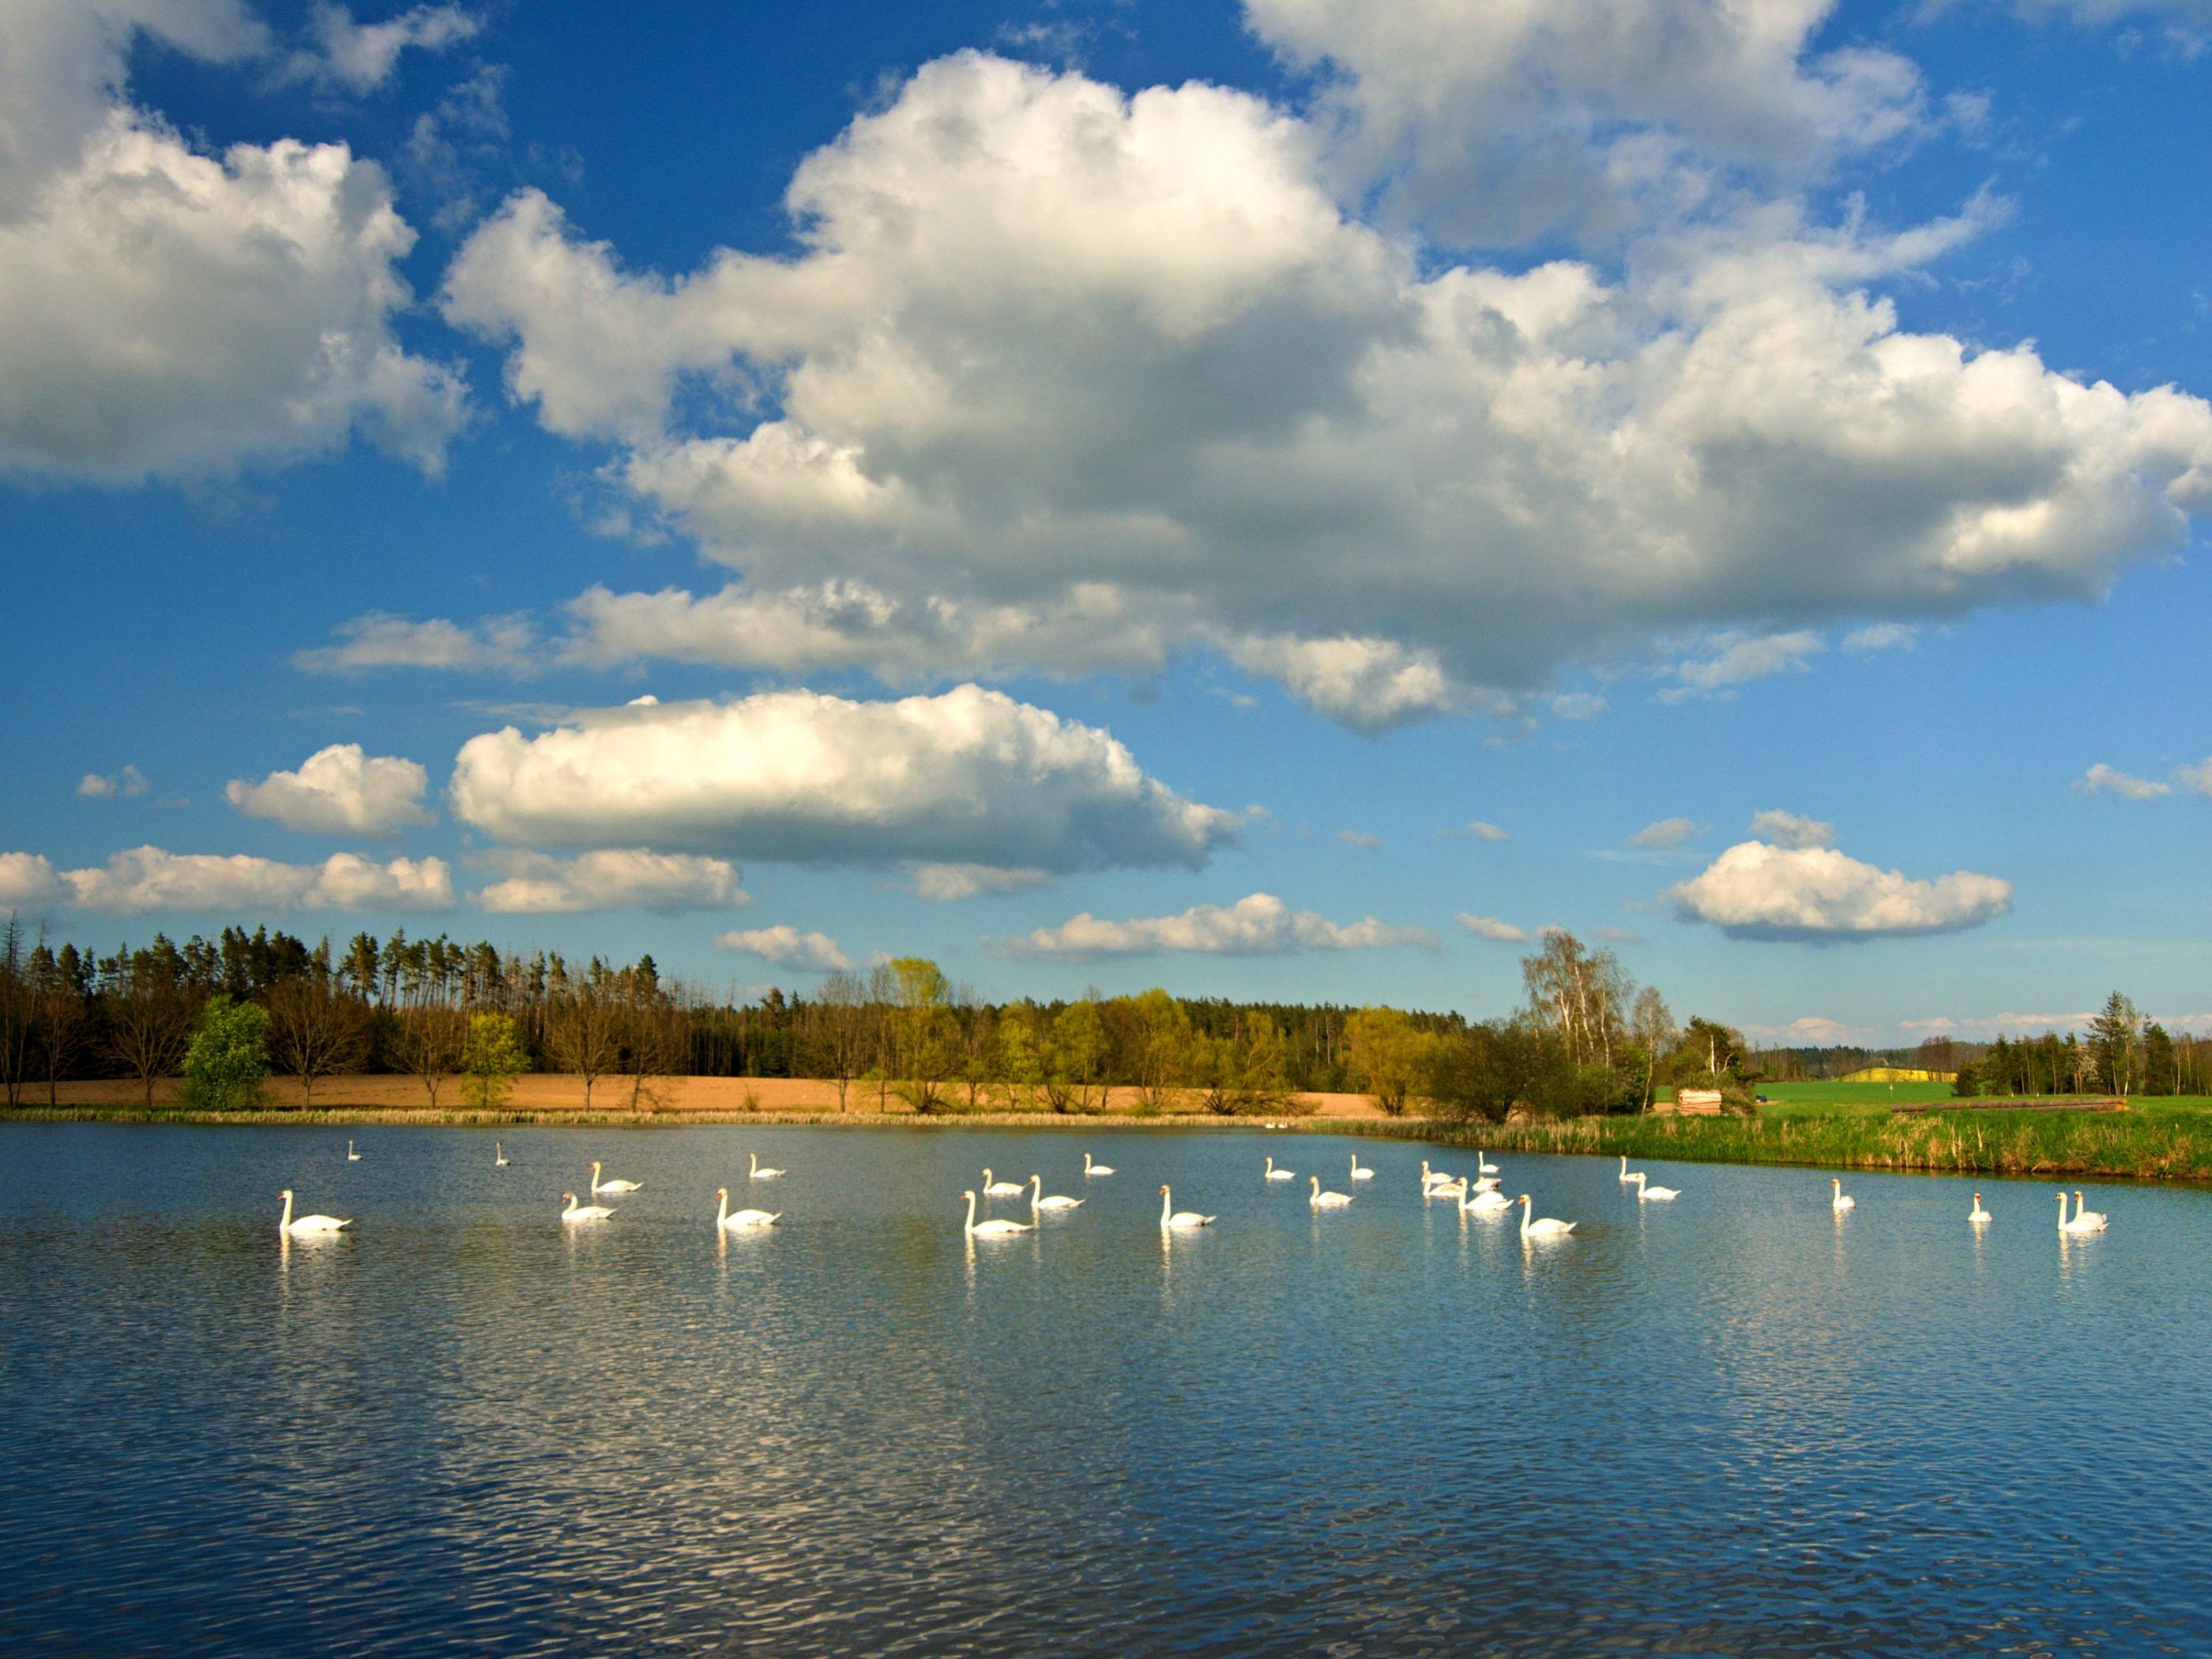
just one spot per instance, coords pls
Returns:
(1730, 1424)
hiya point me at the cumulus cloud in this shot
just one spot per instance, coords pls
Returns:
(968, 777)
(1667, 834)
(1880, 636)
(947, 882)
(340, 790)
(177, 314)
(106, 785)
(1019, 405)
(1788, 829)
(147, 878)
(1490, 928)
(361, 57)
(617, 879)
(787, 947)
(1754, 890)
(2103, 780)
(1258, 924)
(378, 640)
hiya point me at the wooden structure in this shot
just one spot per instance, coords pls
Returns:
(1698, 1102)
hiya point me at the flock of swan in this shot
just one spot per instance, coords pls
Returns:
(1476, 1195)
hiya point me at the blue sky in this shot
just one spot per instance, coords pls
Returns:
(1107, 496)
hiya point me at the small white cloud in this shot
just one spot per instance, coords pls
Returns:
(1757, 891)
(1788, 829)
(2197, 779)
(340, 790)
(147, 878)
(2103, 780)
(1577, 706)
(106, 785)
(1666, 834)
(502, 645)
(1617, 935)
(1736, 658)
(1490, 928)
(1881, 636)
(1258, 925)
(787, 947)
(1482, 831)
(1359, 838)
(615, 878)
(360, 56)
(1811, 1032)
(1366, 683)
(947, 882)
(28, 882)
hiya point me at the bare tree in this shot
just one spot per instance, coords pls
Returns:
(583, 1031)
(841, 1023)
(60, 1017)
(314, 1030)
(428, 1043)
(18, 1010)
(149, 1021)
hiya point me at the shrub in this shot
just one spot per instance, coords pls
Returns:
(228, 1058)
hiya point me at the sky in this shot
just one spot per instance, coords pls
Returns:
(1285, 500)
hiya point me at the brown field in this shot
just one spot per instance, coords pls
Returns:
(545, 1092)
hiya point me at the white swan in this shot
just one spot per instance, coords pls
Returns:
(1359, 1173)
(1321, 1201)
(1091, 1169)
(1840, 1201)
(1977, 1214)
(309, 1224)
(1486, 1200)
(2091, 1222)
(1480, 1166)
(1451, 1189)
(1171, 1216)
(1627, 1175)
(1540, 1226)
(1000, 1188)
(1274, 1174)
(1038, 1201)
(352, 1157)
(993, 1228)
(600, 1186)
(574, 1212)
(757, 1170)
(498, 1155)
(743, 1218)
(1434, 1177)
(1645, 1189)
(1487, 1184)
(2096, 1218)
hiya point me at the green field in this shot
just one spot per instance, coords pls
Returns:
(1822, 1099)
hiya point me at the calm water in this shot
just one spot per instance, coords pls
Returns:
(1729, 1424)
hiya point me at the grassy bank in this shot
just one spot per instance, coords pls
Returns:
(2138, 1145)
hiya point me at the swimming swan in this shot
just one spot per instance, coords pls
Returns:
(756, 1171)
(1274, 1174)
(1977, 1214)
(1451, 1189)
(1091, 1169)
(1359, 1173)
(1056, 1201)
(1840, 1201)
(993, 1228)
(1434, 1177)
(1480, 1167)
(573, 1211)
(2092, 1223)
(498, 1155)
(1486, 1200)
(352, 1157)
(2096, 1218)
(1321, 1201)
(1001, 1188)
(1541, 1227)
(309, 1224)
(600, 1186)
(1645, 1189)
(1170, 1217)
(743, 1218)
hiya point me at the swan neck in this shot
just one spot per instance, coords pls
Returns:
(285, 1224)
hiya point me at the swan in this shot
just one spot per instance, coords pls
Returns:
(1359, 1173)
(1434, 1177)
(1841, 1200)
(993, 1228)
(1321, 1201)
(1481, 1167)
(573, 1211)
(600, 1186)
(352, 1157)
(1627, 1175)
(309, 1224)
(1645, 1189)
(743, 1218)
(2096, 1218)
(498, 1155)
(1540, 1226)
(757, 1170)
(1486, 1200)
(1000, 1188)
(1487, 1184)
(1056, 1201)
(1274, 1174)
(1452, 1189)
(1170, 1217)
(1091, 1169)
(1977, 1214)
(2091, 1222)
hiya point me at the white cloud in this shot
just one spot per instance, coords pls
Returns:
(967, 777)
(1027, 410)
(1481, 830)
(1490, 928)
(785, 946)
(1258, 924)
(1359, 838)
(361, 57)
(1810, 1030)
(2103, 780)
(617, 879)
(2197, 779)
(339, 790)
(1881, 636)
(149, 878)
(498, 645)
(106, 785)
(180, 315)
(1577, 706)
(1757, 891)
(28, 882)
(1666, 834)
(947, 882)
(1788, 829)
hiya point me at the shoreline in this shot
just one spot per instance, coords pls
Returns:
(567, 1118)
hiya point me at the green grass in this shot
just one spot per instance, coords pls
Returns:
(1795, 1100)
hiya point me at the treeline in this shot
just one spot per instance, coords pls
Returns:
(2121, 1054)
(1587, 1041)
